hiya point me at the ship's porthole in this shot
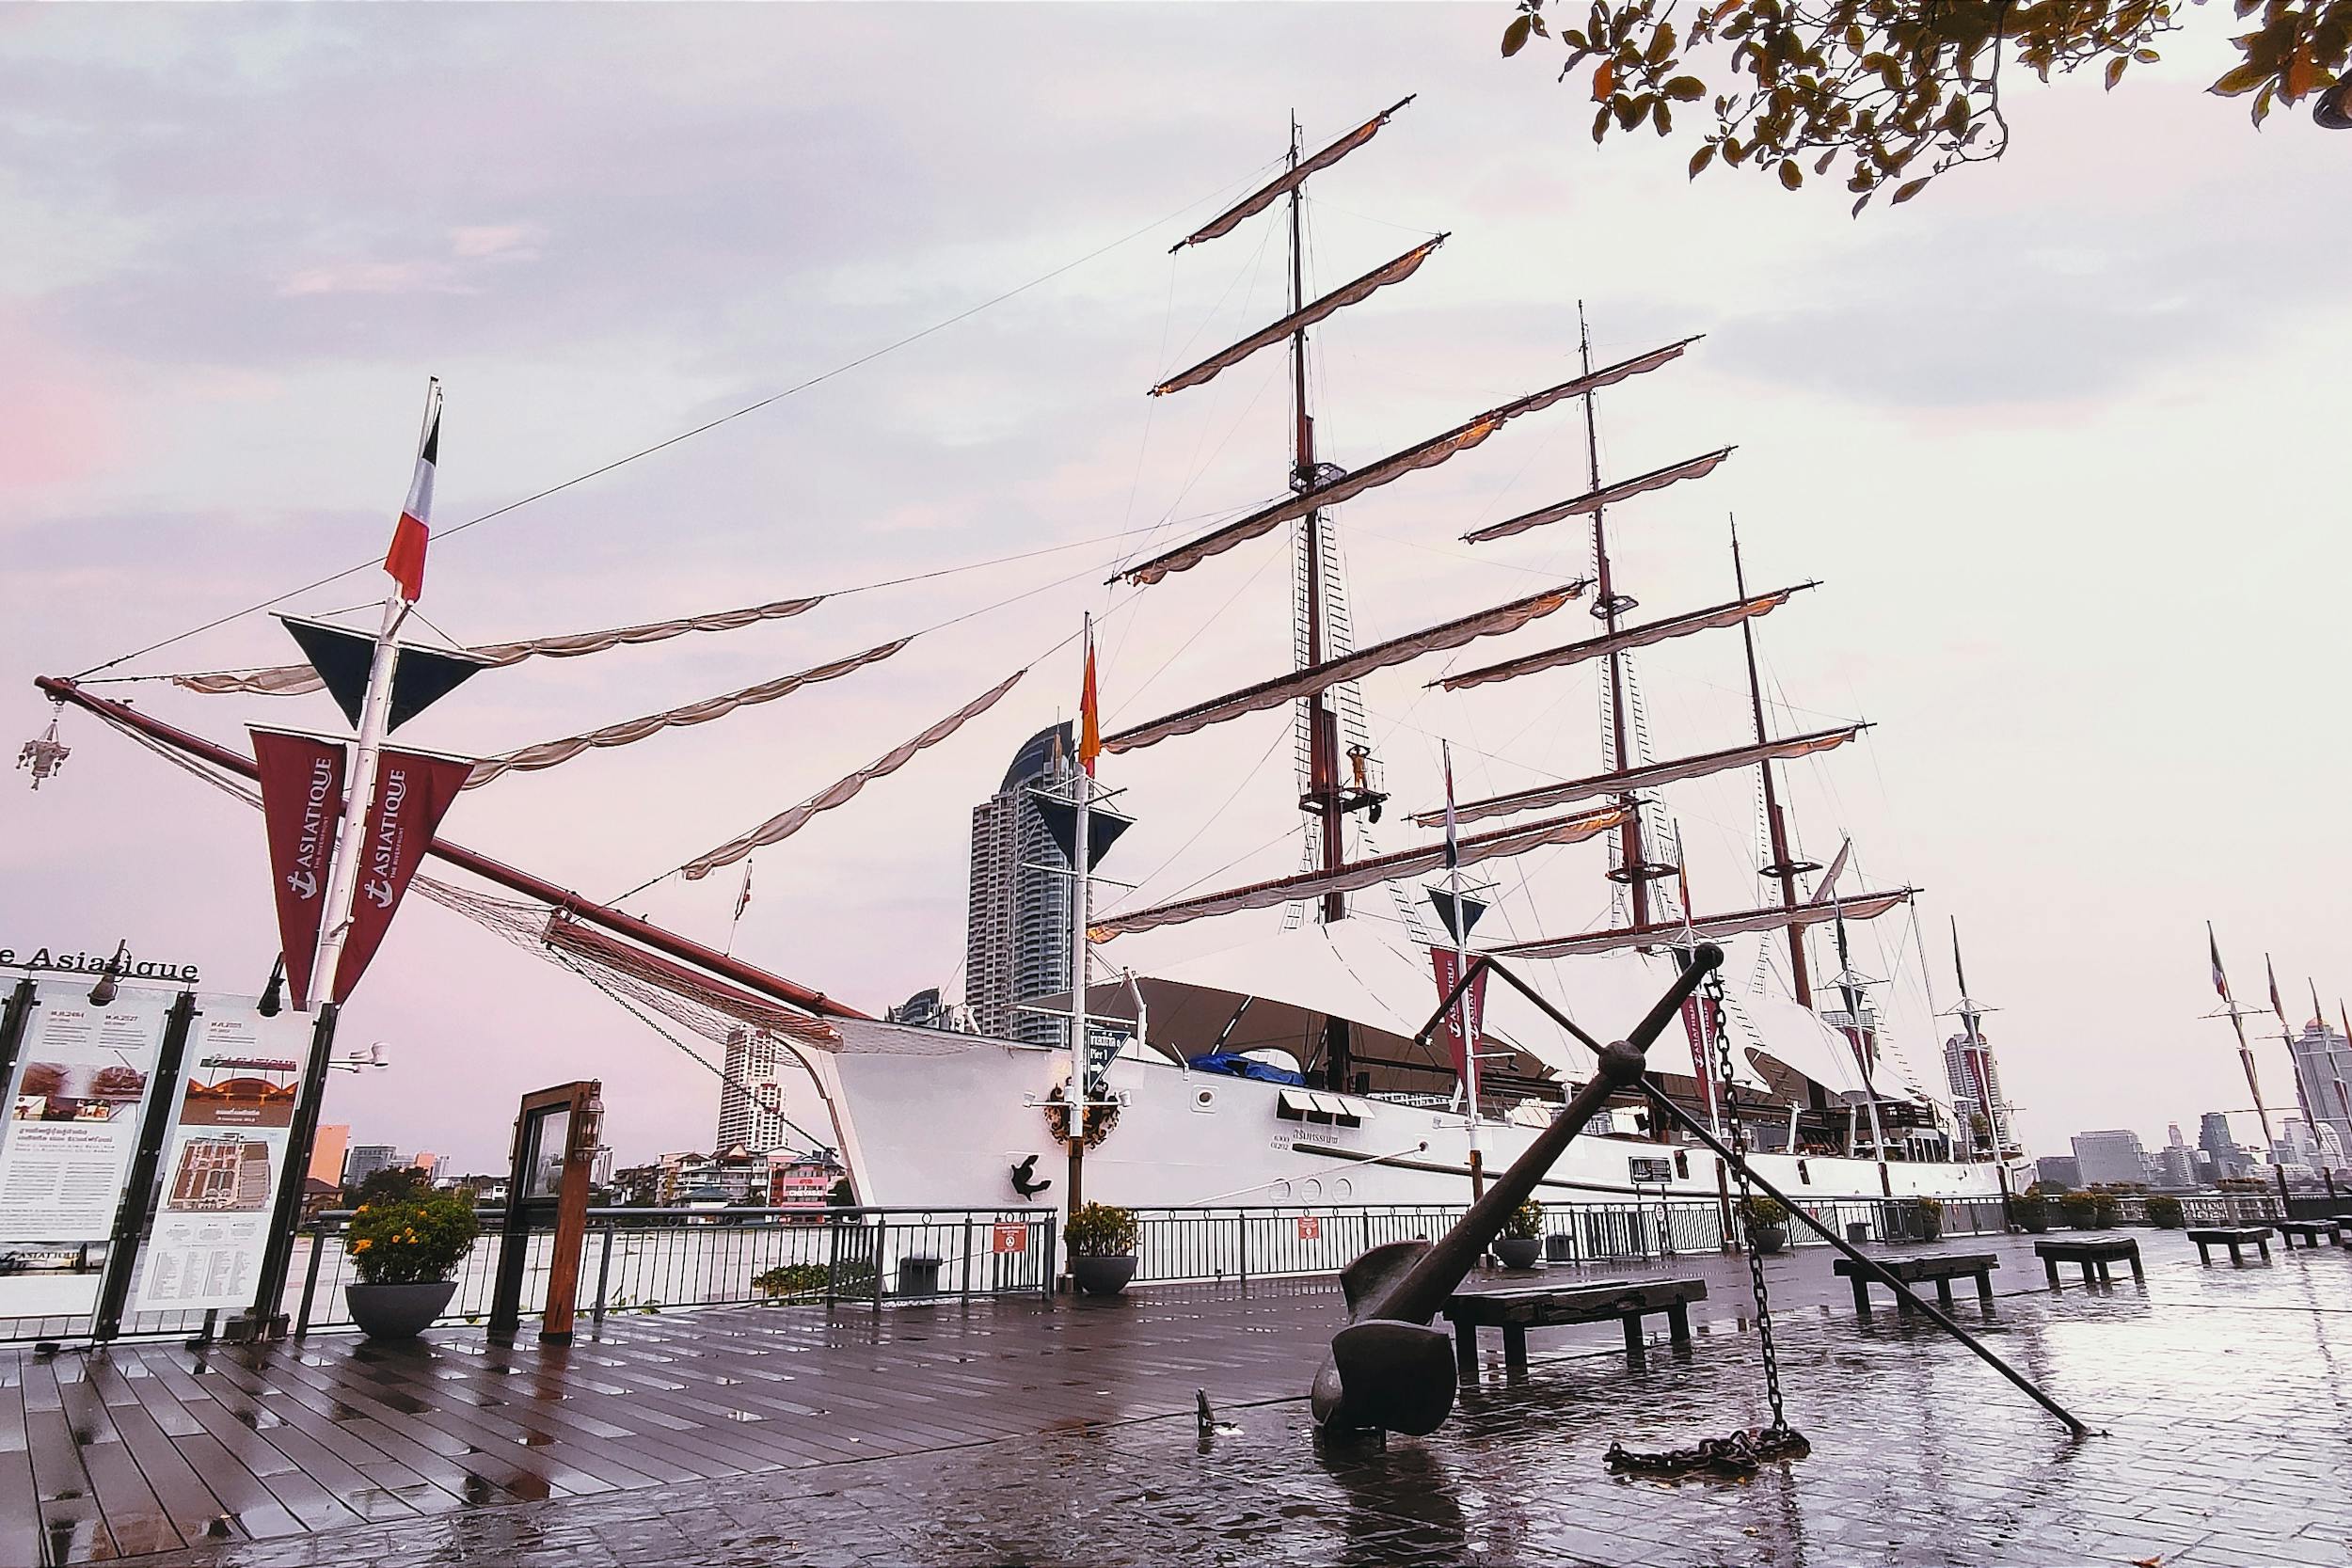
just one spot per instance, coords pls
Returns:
(1279, 1191)
(1342, 1190)
(1311, 1189)
(1204, 1099)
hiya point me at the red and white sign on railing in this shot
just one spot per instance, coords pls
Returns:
(1012, 1237)
(1310, 1228)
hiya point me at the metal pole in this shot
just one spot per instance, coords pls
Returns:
(1461, 993)
(1081, 883)
(263, 1320)
(1691, 1125)
(122, 1247)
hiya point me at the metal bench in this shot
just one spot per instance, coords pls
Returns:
(2310, 1232)
(2235, 1239)
(1940, 1267)
(2091, 1252)
(1515, 1311)
(2343, 1229)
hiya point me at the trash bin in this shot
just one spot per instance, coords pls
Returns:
(918, 1277)
(1857, 1232)
(1559, 1247)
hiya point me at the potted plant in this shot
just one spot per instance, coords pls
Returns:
(1522, 1238)
(2164, 1213)
(1102, 1241)
(1930, 1214)
(2081, 1210)
(1766, 1223)
(2031, 1210)
(406, 1251)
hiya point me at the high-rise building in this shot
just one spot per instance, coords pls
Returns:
(1017, 932)
(2059, 1170)
(1975, 1083)
(2213, 1136)
(2323, 1081)
(2110, 1158)
(367, 1159)
(328, 1150)
(751, 1095)
(2174, 1168)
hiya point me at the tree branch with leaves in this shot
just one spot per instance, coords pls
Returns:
(1891, 93)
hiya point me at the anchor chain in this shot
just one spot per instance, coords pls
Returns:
(1742, 1452)
(1726, 1095)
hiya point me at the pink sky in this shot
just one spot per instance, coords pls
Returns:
(2063, 438)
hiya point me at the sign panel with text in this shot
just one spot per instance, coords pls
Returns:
(223, 1158)
(74, 1107)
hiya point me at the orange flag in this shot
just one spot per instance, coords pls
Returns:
(1089, 712)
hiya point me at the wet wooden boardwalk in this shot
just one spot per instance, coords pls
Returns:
(149, 1447)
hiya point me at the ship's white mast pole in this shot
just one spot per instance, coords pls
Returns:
(1461, 996)
(342, 881)
(1080, 885)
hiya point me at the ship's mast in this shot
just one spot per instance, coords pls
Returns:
(1784, 867)
(1322, 798)
(1633, 868)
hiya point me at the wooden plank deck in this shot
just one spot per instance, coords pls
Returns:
(155, 1446)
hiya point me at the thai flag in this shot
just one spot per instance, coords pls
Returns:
(405, 561)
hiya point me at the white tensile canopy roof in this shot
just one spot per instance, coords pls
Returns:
(1370, 973)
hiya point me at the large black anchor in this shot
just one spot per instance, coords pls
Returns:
(1389, 1369)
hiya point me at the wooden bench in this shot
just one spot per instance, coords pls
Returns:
(2343, 1229)
(2309, 1231)
(2235, 1239)
(1940, 1267)
(1515, 1311)
(2091, 1252)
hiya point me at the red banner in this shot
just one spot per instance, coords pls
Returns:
(413, 790)
(302, 804)
(1693, 1026)
(1444, 958)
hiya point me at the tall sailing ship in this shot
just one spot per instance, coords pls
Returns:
(1305, 1062)
(1298, 1064)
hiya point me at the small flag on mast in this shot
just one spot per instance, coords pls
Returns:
(2276, 1005)
(405, 561)
(2220, 980)
(1089, 712)
(743, 899)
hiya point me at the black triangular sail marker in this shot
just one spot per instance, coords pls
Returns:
(1061, 819)
(421, 677)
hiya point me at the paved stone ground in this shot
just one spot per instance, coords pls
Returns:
(2220, 1394)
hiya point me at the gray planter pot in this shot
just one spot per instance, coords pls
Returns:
(398, 1312)
(1768, 1239)
(1519, 1251)
(1102, 1277)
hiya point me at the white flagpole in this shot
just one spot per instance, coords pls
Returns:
(1080, 886)
(343, 882)
(1462, 996)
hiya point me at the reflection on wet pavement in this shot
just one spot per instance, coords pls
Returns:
(1023, 1434)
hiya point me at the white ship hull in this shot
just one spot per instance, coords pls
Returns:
(928, 1118)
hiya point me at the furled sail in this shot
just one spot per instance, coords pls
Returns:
(548, 752)
(1336, 300)
(1264, 196)
(1632, 636)
(1355, 666)
(1862, 906)
(793, 821)
(1346, 879)
(1426, 454)
(1607, 495)
(291, 680)
(1648, 776)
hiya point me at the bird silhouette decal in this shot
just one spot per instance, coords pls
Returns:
(1025, 1179)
